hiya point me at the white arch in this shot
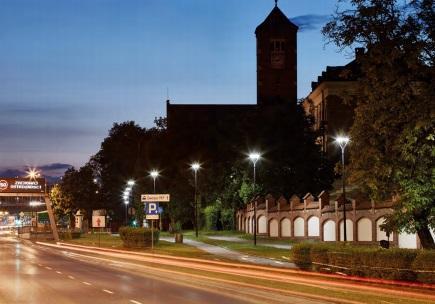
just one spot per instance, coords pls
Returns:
(299, 229)
(329, 231)
(273, 228)
(313, 226)
(381, 235)
(286, 228)
(408, 240)
(262, 224)
(349, 230)
(364, 230)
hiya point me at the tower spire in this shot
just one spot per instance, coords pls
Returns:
(276, 3)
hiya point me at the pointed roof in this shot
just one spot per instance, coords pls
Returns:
(276, 20)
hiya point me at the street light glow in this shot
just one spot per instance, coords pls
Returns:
(32, 173)
(195, 166)
(35, 203)
(154, 174)
(342, 141)
(130, 182)
(254, 156)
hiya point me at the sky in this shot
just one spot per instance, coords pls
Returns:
(69, 69)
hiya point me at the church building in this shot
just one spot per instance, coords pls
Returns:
(276, 76)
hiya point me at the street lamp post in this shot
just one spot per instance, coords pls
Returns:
(254, 157)
(154, 174)
(195, 167)
(342, 141)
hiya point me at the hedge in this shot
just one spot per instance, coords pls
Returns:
(137, 237)
(393, 264)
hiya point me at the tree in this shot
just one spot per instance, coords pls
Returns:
(78, 191)
(392, 151)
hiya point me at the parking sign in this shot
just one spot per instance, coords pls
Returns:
(152, 211)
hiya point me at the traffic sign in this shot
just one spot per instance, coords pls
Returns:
(98, 221)
(152, 211)
(163, 198)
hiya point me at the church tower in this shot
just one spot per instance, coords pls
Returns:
(276, 59)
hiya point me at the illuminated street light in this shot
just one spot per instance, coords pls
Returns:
(195, 167)
(342, 142)
(32, 173)
(126, 197)
(254, 157)
(154, 174)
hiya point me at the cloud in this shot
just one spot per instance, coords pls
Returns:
(55, 166)
(51, 172)
(310, 22)
(12, 173)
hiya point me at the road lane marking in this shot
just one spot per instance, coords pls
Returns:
(49, 268)
(71, 277)
(58, 272)
(108, 291)
(86, 283)
(135, 302)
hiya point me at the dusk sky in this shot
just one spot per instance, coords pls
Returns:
(70, 69)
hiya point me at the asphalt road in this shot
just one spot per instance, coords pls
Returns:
(34, 274)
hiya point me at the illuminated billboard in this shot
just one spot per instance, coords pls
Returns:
(22, 185)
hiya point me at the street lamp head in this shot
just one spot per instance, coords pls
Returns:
(95, 180)
(154, 174)
(254, 157)
(126, 202)
(195, 166)
(342, 141)
(130, 182)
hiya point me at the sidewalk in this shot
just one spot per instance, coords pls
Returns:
(237, 239)
(232, 255)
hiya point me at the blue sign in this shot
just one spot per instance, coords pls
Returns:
(160, 210)
(152, 209)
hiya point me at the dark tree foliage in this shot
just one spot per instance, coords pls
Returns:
(77, 191)
(392, 149)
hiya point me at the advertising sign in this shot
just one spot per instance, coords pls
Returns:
(98, 221)
(163, 198)
(22, 185)
(152, 211)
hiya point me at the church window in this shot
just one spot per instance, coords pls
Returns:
(277, 45)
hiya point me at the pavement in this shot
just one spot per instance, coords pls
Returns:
(231, 254)
(238, 239)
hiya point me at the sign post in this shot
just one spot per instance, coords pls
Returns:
(99, 221)
(152, 210)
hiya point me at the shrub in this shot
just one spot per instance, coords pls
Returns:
(211, 214)
(137, 237)
(301, 254)
(424, 266)
(393, 264)
(227, 219)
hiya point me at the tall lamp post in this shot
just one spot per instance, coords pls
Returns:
(154, 174)
(342, 141)
(254, 157)
(195, 167)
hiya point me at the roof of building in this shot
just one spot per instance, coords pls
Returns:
(348, 72)
(275, 20)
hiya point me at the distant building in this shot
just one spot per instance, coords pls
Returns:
(326, 102)
(276, 77)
